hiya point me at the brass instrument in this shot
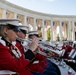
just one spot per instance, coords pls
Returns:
(70, 60)
(72, 54)
(49, 48)
(60, 53)
(43, 46)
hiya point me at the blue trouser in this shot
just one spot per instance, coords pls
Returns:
(36, 73)
(53, 67)
(49, 72)
(50, 66)
(46, 72)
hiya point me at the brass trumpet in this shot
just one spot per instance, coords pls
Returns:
(60, 53)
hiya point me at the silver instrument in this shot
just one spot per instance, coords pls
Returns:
(60, 53)
(43, 46)
(72, 54)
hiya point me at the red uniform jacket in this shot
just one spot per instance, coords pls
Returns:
(33, 67)
(9, 62)
(63, 47)
(67, 51)
(42, 59)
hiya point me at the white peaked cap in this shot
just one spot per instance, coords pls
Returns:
(57, 43)
(33, 32)
(23, 27)
(14, 22)
(74, 42)
(64, 41)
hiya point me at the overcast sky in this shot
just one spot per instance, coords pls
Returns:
(60, 7)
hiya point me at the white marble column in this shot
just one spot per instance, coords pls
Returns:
(45, 33)
(69, 30)
(73, 31)
(25, 20)
(43, 30)
(25, 23)
(4, 14)
(52, 33)
(60, 28)
(34, 26)
(15, 15)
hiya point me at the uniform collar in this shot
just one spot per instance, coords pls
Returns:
(18, 41)
(21, 42)
(7, 43)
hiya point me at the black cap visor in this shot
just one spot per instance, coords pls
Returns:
(23, 31)
(34, 35)
(13, 27)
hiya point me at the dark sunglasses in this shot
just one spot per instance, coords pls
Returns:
(14, 28)
(36, 35)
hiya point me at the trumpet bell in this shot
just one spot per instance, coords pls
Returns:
(60, 53)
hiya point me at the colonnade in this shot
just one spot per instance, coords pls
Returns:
(66, 24)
